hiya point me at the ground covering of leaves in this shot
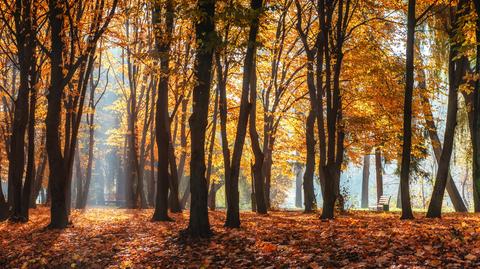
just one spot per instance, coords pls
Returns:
(116, 238)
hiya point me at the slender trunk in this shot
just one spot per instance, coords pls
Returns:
(30, 173)
(452, 190)
(212, 195)
(455, 78)
(162, 121)
(58, 173)
(261, 193)
(476, 114)
(407, 116)
(365, 178)
(210, 182)
(199, 225)
(315, 100)
(39, 175)
(308, 189)
(231, 182)
(88, 177)
(78, 179)
(23, 25)
(379, 173)
(298, 185)
(173, 201)
(186, 195)
(3, 203)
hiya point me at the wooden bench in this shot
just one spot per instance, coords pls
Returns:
(119, 203)
(383, 204)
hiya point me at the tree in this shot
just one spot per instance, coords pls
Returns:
(476, 120)
(231, 182)
(61, 72)
(205, 35)
(162, 121)
(455, 77)
(407, 115)
(365, 178)
(379, 172)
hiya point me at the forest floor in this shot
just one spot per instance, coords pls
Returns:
(116, 238)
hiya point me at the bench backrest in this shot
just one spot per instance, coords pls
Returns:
(384, 200)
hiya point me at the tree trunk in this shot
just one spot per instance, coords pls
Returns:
(407, 115)
(199, 225)
(39, 175)
(315, 100)
(212, 146)
(212, 195)
(78, 179)
(261, 193)
(365, 179)
(231, 183)
(298, 185)
(30, 173)
(4, 212)
(308, 189)
(162, 121)
(476, 120)
(455, 78)
(88, 177)
(58, 173)
(26, 60)
(379, 173)
(173, 201)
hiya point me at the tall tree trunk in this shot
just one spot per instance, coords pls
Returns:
(231, 183)
(211, 147)
(212, 195)
(58, 173)
(455, 78)
(23, 34)
(407, 115)
(199, 225)
(162, 121)
(88, 177)
(30, 173)
(173, 201)
(298, 185)
(476, 117)
(4, 212)
(334, 108)
(379, 173)
(308, 186)
(258, 166)
(365, 179)
(452, 190)
(39, 175)
(78, 179)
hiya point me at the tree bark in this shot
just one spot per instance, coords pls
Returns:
(407, 115)
(476, 117)
(308, 186)
(452, 190)
(26, 60)
(231, 183)
(298, 185)
(162, 122)
(379, 173)
(261, 192)
(30, 173)
(365, 179)
(456, 70)
(199, 225)
(58, 173)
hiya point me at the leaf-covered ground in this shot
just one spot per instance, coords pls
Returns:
(115, 238)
